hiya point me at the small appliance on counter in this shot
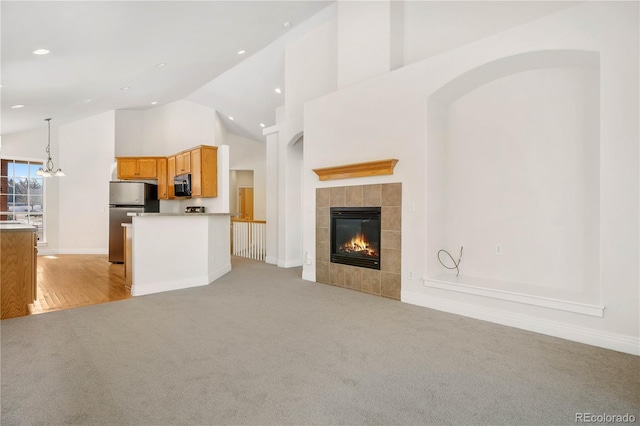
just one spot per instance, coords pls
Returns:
(194, 209)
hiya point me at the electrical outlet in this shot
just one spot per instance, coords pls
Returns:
(410, 275)
(498, 249)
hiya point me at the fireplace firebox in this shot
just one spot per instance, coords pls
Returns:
(355, 236)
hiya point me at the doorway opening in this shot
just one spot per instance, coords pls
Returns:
(242, 194)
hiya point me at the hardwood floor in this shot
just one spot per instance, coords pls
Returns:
(70, 280)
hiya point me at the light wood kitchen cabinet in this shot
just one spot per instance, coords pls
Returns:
(201, 162)
(163, 182)
(19, 258)
(204, 171)
(183, 163)
(171, 173)
(137, 167)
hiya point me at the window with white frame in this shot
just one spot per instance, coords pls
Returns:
(22, 193)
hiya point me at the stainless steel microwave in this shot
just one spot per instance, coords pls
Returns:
(182, 185)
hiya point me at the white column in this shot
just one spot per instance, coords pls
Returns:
(292, 197)
(284, 210)
(272, 198)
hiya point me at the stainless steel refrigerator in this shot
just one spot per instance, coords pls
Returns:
(125, 197)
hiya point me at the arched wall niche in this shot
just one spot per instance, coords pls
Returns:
(513, 176)
(296, 138)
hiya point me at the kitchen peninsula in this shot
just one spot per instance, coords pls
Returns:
(19, 269)
(172, 251)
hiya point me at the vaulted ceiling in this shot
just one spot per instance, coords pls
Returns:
(106, 55)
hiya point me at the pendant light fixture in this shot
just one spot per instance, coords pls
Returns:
(48, 172)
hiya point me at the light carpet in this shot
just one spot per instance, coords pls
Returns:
(260, 346)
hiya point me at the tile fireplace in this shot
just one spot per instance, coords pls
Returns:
(347, 251)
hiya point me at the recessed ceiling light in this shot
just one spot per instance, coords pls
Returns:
(278, 90)
(261, 124)
(124, 88)
(40, 52)
(17, 106)
(241, 52)
(154, 102)
(230, 118)
(161, 64)
(286, 24)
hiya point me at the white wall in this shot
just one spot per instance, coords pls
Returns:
(129, 132)
(434, 27)
(220, 132)
(178, 126)
(311, 71)
(386, 117)
(364, 43)
(520, 168)
(87, 151)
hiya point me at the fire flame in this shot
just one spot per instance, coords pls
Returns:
(358, 245)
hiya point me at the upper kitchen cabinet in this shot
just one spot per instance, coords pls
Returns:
(163, 179)
(183, 163)
(204, 171)
(137, 167)
(171, 173)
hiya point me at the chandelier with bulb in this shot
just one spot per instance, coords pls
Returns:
(49, 171)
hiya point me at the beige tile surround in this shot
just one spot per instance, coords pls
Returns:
(386, 281)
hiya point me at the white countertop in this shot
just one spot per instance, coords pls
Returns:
(180, 214)
(13, 227)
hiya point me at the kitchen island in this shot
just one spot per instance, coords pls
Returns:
(173, 251)
(19, 256)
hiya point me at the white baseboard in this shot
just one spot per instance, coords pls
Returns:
(43, 251)
(466, 285)
(159, 287)
(219, 272)
(78, 251)
(603, 339)
(272, 260)
(308, 276)
(290, 263)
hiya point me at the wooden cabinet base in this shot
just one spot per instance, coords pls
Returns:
(17, 288)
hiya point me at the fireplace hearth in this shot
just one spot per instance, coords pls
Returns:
(355, 236)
